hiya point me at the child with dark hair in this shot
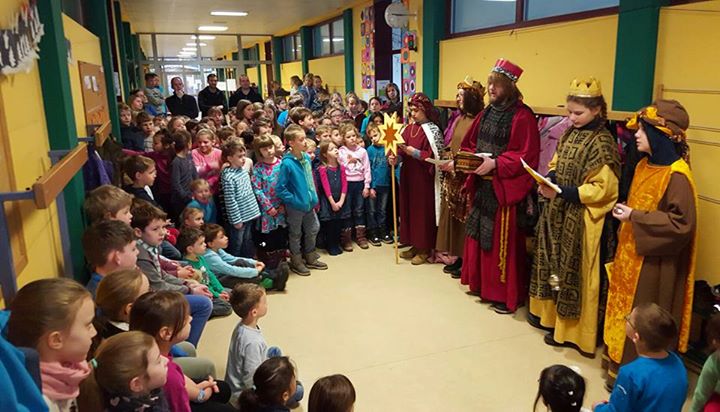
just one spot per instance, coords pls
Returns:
(561, 389)
(141, 170)
(657, 379)
(333, 393)
(191, 244)
(707, 390)
(182, 172)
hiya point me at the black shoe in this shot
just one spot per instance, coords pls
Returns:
(282, 274)
(334, 250)
(472, 293)
(455, 266)
(534, 321)
(455, 274)
(549, 340)
(501, 309)
(386, 238)
(374, 239)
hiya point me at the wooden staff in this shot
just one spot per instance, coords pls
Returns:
(391, 137)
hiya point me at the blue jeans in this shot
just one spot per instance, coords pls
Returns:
(200, 310)
(241, 241)
(377, 208)
(302, 225)
(356, 202)
(170, 251)
(274, 352)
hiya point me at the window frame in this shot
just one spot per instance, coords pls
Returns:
(521, 22)
(297, 52)
(329, 23)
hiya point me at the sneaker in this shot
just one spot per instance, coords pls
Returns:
(373, 238)
(386, 238)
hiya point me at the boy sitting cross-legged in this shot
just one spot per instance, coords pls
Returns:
(248, 348)
(231, 270)
(656, 381)
(191, 243)
(149, 225)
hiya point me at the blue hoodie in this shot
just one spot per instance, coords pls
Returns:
(296, 187)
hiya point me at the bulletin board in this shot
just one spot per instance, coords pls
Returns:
(94, 93)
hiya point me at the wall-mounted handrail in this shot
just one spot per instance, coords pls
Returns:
(47, 189)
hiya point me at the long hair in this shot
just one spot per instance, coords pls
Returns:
(512, 93)
(271, 380)
(333, 393)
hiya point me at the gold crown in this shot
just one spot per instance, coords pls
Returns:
(585, 88)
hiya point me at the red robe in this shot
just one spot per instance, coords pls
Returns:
(417, 192)
(497, 279)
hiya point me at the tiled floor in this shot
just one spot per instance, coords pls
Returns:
(408, 337)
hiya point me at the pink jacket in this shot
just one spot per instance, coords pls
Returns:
(208, 166)
(356, 164)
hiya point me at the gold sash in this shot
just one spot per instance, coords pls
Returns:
(647, 189)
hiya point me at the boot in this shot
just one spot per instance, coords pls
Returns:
(272, 259)
(312, 260)
(374, 238)
(346, 239)
(408, 254)
(360, 238)
(298, 266)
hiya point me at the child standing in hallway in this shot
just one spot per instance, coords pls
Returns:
(333, 191)
(240, 203)
(354, 160)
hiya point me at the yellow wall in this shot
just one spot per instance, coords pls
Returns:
(27, 139)
(85, 48)
(332, 71)
(288, 70)
(682, 63)
(551, 55)
(357, 47)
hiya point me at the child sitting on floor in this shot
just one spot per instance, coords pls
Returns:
(231, 270)
(192, 217)
(191, 243)
(108, 202)
(561, 389)
(202, 199)
(141, 170)
(247, 345)
(333, 393)
(657, 379)
(707, 390)
(109, 245)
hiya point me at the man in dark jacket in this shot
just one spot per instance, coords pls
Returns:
(211, 96)
(181, 104)
(245, 92)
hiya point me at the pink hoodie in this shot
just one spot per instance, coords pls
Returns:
(356, 164)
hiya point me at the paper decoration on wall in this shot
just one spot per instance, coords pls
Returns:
(408, 79)
(410, 40)
(19, 43)
(367, 42)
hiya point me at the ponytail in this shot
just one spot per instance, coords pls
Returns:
(561, 389)
(272, 379)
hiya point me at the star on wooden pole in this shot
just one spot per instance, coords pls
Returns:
(390, 133)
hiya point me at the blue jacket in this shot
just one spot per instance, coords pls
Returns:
(379, 167)
(295, 185)
(20, 392)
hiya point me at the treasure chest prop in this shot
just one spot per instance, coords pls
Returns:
(467, 162)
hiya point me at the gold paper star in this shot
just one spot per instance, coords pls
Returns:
(390, 134)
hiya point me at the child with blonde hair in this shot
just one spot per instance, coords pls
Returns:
(202, 199)
(207, 158)
(240, 203)
(356, 164)
(54, 317)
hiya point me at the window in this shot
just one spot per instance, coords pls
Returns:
(469, 15)
(538, 9)
(473, 15)
(292, 49)
(329, 38)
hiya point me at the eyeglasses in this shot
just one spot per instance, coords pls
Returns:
(627, 319)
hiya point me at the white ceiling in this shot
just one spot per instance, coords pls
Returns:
(184, 16)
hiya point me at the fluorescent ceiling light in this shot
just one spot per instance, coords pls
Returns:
(203, 37)
(229, 13)
(212, 28)
(192, 49)
(195, 44)
(336, 39)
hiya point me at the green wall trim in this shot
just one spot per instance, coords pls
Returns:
(307, 46)
(635, 53)
(277, 56)
(97, 23)
(122, 67)
(137, 56)
(349, 55)
(60, 120)
(259, 70)
(433, 23)
(131, 70)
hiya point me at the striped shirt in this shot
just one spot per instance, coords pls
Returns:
(240, 202)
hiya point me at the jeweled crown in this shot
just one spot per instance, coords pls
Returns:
(585, 88)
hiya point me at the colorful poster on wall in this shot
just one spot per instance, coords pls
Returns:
(408, 79)
(367, 55)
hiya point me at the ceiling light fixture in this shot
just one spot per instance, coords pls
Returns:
(196, 44)
(212, 28)
(203, 37)
(229, 13)
(192, 49)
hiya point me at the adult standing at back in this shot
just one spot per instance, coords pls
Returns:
(309, 93)
(245, 92)
(181, 104)
(211, 96)
(505, 132)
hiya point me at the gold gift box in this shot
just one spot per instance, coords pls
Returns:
(467, 162)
